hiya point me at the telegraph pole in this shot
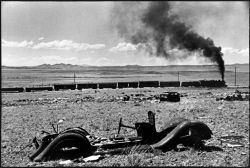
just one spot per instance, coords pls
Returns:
(178, 77)
(235, 76)
(74, 77)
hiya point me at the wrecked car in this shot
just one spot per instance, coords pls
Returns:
(77, 142)
(170, 96)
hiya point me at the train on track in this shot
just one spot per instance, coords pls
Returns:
(118, 85)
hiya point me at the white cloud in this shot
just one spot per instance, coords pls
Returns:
(243, 52)
(41, 38)
(14, 44)
(56, 44)
(232, 55)
(124, 47)
(48, 58)
(229, 50)
(67, 45)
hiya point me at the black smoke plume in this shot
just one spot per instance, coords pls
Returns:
(153, 25)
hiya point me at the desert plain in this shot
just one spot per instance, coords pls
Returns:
(24, 115)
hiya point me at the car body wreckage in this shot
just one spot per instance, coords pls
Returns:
(176, 131)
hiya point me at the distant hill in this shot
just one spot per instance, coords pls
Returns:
(63, 66)
(135, 65)
(58, 66)
(47, 66)
(238, 64)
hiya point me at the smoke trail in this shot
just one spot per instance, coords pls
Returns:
(153, 25)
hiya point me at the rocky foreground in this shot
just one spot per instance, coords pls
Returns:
(25, 115)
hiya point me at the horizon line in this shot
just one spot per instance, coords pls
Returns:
(119, 65)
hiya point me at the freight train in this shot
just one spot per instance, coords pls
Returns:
(119, 85)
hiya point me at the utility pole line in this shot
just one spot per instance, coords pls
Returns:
(74, 77)
(235, 76)
(178, 77)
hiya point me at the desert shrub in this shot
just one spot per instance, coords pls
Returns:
(246, 163)
(135, 160)
(136, 155)
(115, 165)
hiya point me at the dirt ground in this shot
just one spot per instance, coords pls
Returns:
(25, 115)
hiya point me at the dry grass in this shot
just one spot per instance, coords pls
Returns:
(33, 77)
(22, 120)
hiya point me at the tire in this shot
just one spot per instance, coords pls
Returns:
(53, 150)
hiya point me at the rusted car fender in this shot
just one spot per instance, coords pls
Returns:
(65, 140)
(180, 134)
(202, 130)
(45, 142)
(78, 130)
(170, 125)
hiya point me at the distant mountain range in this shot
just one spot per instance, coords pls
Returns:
(70, 66)
(47, 66)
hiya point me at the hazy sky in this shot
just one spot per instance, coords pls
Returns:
(80, 33)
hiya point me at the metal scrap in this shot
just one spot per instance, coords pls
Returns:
(231, 141)
(236, 96)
